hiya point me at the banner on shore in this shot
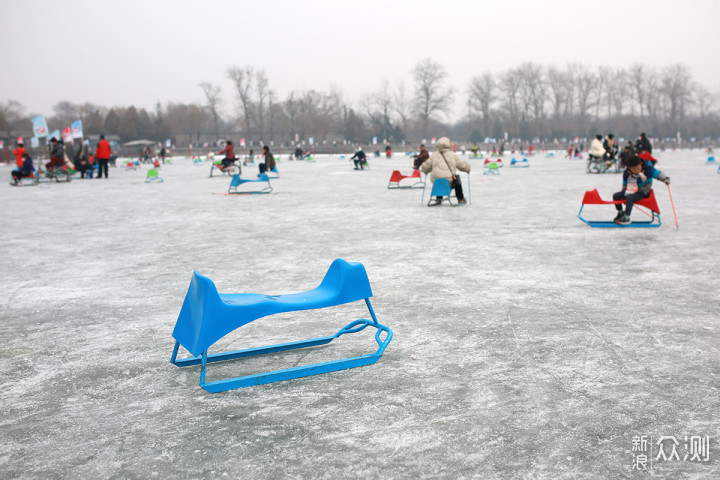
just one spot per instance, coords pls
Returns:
(54, 133)
(311, 140)
(2, 144)
(374, 140)
(242, 142)
(40, 128)
(76, 129)
(35, 142)
(168, 143)
(67, 135)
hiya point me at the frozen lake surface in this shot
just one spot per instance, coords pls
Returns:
(527, 344)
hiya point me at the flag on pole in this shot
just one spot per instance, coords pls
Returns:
(432, 140)
(311, 140)
(168, 143)
(2, 144)
(242, 142)
(40, 128)
(76, 128)
(55, 133)
(67, 135)
(35, 142)
(374, 140)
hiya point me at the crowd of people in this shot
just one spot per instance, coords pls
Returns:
(60, 161)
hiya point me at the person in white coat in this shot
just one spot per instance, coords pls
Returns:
(444, 163)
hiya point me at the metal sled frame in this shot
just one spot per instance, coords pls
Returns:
(592, 197)
(236, 182)
(207, 316)
(441, 188)
(396, 177)
(229, 170)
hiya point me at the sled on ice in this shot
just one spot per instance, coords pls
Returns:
(592, 197)
(207, 316)
(396, 177)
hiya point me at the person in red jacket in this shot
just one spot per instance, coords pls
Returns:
(19, 152)
(229, 152)
(102, 155)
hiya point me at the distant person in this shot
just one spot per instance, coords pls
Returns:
(269, 163)
(82, 165)
(298, 153)
(421, 157)
(102, 156)
(388, 151)
(597, 150)
(444, 163)
(19, 152)
(625, 155)
(27, 169)
(643, 144)
(163, 153)
(637, 184)
(230, 158)
(359, 159)
(56, 155)
(249, 159)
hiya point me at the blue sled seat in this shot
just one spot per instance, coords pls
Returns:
(207, 316)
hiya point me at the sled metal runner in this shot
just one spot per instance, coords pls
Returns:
(592, 197)
(207, 316)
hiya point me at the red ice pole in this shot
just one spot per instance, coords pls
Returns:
(673, 206)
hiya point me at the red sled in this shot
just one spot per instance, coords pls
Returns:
(592, 197)
(396, 177)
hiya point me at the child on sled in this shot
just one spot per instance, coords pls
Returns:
(637, 184)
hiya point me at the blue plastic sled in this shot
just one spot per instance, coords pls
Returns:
(238, 185)
(710, 160)
(516, 164)
(592, 197)
(207, 316)
(441, 188)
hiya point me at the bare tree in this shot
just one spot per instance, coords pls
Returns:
(510, 88)
(636, 78)
(401, 104)
(556, 83)
(242, 78)
(431, 95)
(262, 91)
(676, 87)
(292, 109)
(483, 93)
(585, 83)
(212, 98)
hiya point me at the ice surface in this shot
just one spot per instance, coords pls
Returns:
(527, 344)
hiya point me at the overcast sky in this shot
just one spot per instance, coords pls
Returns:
(133, 52)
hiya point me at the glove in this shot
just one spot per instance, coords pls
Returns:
(667, 180)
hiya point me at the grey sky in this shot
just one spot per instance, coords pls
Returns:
(138, 52)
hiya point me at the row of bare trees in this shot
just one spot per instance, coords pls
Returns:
(529, 101)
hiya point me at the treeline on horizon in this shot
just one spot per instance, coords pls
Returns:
(528, 102)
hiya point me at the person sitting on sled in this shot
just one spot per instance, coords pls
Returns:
(421, 157)
(229, 152)
(445, 163)
(26, 170)
(359, 159)
(56, 155)
(637, 184)
(597, 151)
(611, 149)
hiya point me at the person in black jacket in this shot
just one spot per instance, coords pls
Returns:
(359, 159)
(643, 144)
